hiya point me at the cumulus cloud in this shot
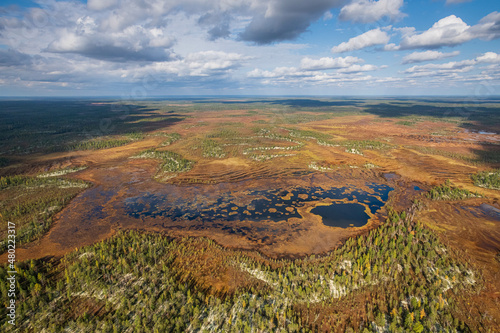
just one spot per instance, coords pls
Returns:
(294, 76)
(204, 70)
(267, 21)
(57, 71)
(313, 70)
(135, 43)
(280, 20)
(488, 27)
(328, 63)
(112, 43)
(391, 47)
(214, 60)
(451, 31)
(278, 72)
(258, 21)
(358, 68)
(489, 57)
(203, 63)
(369, 38)
(427, 56)
(366, 11)
(448, 31)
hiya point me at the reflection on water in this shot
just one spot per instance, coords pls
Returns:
(490, 211)
(258, 205)
(483, 211)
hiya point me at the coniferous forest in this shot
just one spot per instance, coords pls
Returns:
(397, 278)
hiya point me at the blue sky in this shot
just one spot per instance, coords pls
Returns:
(144, 48)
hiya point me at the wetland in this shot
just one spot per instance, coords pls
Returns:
(237, 203)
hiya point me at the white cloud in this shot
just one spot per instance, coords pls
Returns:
(258, 21)
(451, 31)
(448, 31)
(266, 21)
(203, 63)
(134, 43)
(358, 68)
(489, 57)
(427, 56)
(328, 63)
(488, 27)
(369, 38)
(449, 68)
(292, 76)
(278, 72)
(391, 47)
(406, 31)
(366, 11)
(110, 45)
(312, 70)
(206, 62)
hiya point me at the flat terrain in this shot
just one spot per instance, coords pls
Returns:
(249, 175)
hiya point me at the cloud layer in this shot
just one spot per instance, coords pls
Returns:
(243, 45)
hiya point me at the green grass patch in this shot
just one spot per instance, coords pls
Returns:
(406, 123)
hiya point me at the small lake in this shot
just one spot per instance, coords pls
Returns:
(343, 215)
(260, 205)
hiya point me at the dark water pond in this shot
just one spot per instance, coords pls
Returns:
(342, 215)
(258, 205)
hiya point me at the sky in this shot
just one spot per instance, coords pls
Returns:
(145, 48)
